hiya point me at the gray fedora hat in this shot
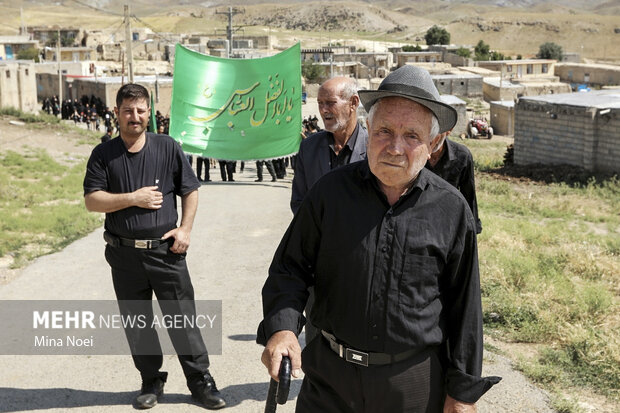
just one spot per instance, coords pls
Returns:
(414, 83)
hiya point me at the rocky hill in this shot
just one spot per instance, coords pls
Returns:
(590, 28)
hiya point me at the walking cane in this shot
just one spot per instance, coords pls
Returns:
(278, 391)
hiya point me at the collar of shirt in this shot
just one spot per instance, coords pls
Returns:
(350, 143)
(420, 182)
(447, 157)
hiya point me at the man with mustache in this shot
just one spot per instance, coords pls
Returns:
(390, 249)
(342, 141)
(135, 179)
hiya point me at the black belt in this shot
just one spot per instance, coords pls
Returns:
(364, 358)
(148, 244)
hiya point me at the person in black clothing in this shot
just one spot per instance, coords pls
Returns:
(259, 171)
(200, 161)
(390, 249)
(135, 180)
(107, 136)
(454, 163)
(226, 170)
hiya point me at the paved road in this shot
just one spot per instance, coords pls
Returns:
(237, 228)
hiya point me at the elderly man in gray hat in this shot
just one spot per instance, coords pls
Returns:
(390, 249)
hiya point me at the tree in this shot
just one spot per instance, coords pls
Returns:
(437, 35)
(482, 51)
(463, 52)
(29, 54)
(411, 48)
(550, 50)
(496, 56)
(312, 72)
(64, 41)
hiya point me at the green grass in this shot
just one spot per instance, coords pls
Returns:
(41, 208)
(550, 274)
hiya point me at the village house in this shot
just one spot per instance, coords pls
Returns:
(578, 129)
(10, 46)
(18, 87)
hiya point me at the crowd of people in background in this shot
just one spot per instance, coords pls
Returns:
(89, 111)
(94, 114)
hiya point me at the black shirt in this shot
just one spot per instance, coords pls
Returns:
(344, 155)
(387, 279)
(161, 162)
(456, 166)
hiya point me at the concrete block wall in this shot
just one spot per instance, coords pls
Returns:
(561, 134)
(607, 153)
(502, 119)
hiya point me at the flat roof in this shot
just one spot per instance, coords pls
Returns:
(504, 103)
(136, 79)
(606, 98)
(527, 61)
(506, 83)
(457, 76)
(452, 100)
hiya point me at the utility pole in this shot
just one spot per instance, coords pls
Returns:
(128, 51)
(59, 70)
(230, 29)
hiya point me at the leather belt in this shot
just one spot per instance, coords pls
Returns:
(148, 244)
(142, 243)
(364, 358)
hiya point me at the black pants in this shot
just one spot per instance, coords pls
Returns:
(259, 169)
(200, 161)
(136, 274)
(333, 385)
(226, 169)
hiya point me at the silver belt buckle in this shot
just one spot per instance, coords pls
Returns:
(142, 243)
(356, 357)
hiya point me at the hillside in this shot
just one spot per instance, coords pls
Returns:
(591, 28)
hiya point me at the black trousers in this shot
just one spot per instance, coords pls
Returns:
(136, 274)
(200, 161)
(259, 169)
(226, 169)
(333, 385)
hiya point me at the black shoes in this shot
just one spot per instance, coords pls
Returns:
(150, 393)
(258, 180)
(206, 393)
(273, 179)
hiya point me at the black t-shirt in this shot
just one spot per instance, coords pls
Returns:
(160, 162)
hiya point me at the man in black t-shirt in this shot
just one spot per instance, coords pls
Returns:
(135, 180)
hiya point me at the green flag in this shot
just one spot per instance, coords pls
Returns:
(153, 122)
(237, 109)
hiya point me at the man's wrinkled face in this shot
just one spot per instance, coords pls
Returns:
(398, 141)
(133, 117)
(335, 111)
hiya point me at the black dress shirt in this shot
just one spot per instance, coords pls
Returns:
(456, 166)
(344, 155)
(387, 278)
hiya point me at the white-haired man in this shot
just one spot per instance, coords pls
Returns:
(390, 249)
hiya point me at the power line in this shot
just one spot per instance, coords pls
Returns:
(155, 32)
(96, 8)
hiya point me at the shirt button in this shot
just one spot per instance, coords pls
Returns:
(385, 249)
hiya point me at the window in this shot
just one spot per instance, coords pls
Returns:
(509, 68)
(530, 69)
(26, 72)
(8, 74)
(545, 67)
